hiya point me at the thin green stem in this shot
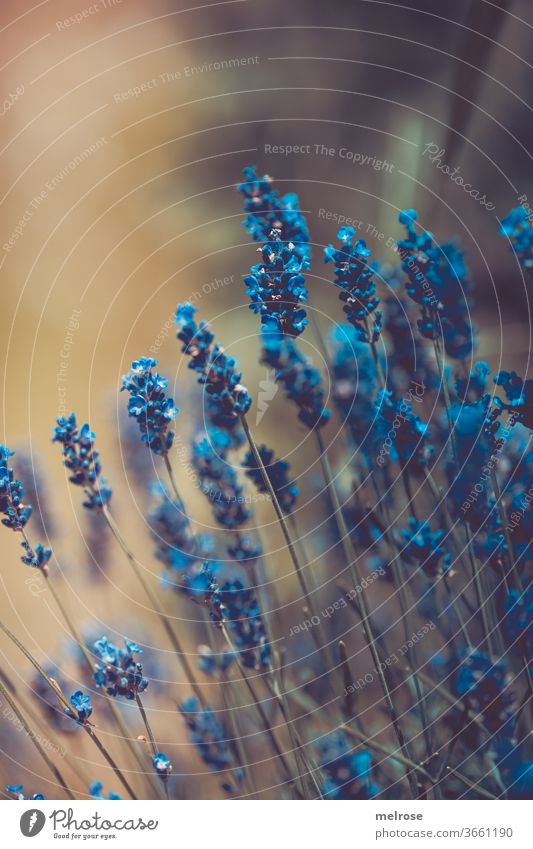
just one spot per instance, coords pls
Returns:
(169, 630)
(103, 751)
(63, 701)
(362, 607)
(279, 513)
(33, 737)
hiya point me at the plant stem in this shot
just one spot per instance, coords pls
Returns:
(109, 759)
(176, 645)
(87, 658)
(478, 586)
(362, 607)
(33, 737)
(61, 696)
(279, 513)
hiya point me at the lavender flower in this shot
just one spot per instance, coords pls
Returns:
(268, 211)
(217, 371)
(355, 277)
(438, 282)
(162, 765)
(16, 790)
(211, 740)
(119, 672)
(234, 606)
(214, 664)
(519, 394)
(348, 773)
(423, 548)
(517, 228)
(301, 381)
(409, 446)
(16, 513)
(219, 483)
(278, 473)
(81, 707)
(354, 382)
(82, 459)
(96, 788)
(276, 287)
(149, 405)
(483, 685)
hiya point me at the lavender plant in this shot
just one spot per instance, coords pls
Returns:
(423, 579)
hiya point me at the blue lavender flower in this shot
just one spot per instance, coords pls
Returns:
(519, 394)
(211, 740)
(217, 371)
(301, 381)
(37, 557)
(82, 459)
(483, 685)
(278, 473)
(81, 707)
(245, 550)
(96, 788)
(347, 773)
(214, 664)
(423, 548)
(468, 494)
(11, 495)
(119, 672)
(27, 468)
(153, 410)
(407, 356)
(474, 387)
(170, 528)
(407, 433)
(276, 286)
(234, 605)
(18, 514)
(354, 381)
(517, 228)
(438, 282)
(16, 790)
(355, 278)
(162, 765)
(268, 211)
(518, 621)
(219, 483)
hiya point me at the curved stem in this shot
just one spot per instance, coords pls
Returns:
(176, 645)
(362, 607)
(33, 737)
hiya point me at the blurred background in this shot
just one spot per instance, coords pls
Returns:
(125, 127)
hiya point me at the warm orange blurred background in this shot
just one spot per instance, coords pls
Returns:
(126, 127)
